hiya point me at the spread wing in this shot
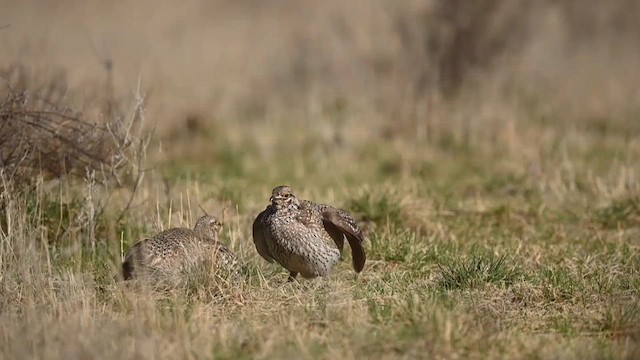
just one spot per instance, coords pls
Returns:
(259, 239)
(339, 224)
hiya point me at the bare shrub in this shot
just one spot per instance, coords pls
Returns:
(90, 152)
(41, 136)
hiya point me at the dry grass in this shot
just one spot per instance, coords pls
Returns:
(41, 136)
(500, 196)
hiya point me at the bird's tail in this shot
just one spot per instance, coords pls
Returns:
(127, 270)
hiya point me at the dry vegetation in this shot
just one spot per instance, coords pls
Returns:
(489, 148)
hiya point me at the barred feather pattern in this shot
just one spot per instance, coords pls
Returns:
(304, 237)
(172, 253)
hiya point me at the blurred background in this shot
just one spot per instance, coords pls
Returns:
(384, 63)
(277, 78)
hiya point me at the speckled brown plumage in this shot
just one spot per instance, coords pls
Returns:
(171, 253)
(305, 237)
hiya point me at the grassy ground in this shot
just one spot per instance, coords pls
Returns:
(471, 254)
(502, 217)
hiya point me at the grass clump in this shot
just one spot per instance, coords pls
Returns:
(380, 208)
(619, 320)
(477, 271)
(558, 283)
(621, 213)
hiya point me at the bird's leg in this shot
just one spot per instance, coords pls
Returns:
(292, 276)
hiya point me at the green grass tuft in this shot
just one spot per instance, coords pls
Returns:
(476, 272)
(622, 213)
(380, 208)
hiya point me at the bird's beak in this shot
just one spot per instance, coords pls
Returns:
(271, 199)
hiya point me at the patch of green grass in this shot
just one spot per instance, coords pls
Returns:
(558, 283)
(621, 213)
(379, 312)
(230, 161)
(53, 214)
(477, 271)
(563, 324)
(390, 246)
(381, 208)
(181, 171)
(619, 319)
(223, 161)
(233, 191)
(129, 231)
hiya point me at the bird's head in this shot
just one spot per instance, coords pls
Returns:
(208, 227)
(283, 197)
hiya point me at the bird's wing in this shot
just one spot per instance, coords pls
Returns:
(204, 251)
(259, 238)
(336, 234)
(338, 222)
(225, 253)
